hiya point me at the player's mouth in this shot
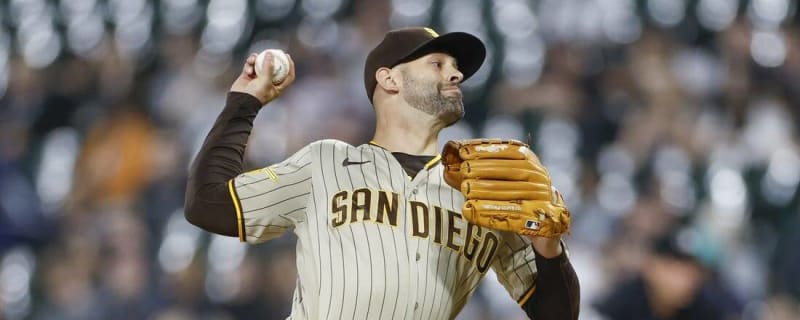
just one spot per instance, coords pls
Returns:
(456, 90)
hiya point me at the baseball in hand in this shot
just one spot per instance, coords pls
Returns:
(280, 64)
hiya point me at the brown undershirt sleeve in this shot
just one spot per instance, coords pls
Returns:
(557, 294)
(208, 202)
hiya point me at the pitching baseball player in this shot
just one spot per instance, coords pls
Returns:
(392, 229)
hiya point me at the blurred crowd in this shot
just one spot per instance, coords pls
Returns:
(669, 125)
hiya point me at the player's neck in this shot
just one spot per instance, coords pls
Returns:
(412, 132)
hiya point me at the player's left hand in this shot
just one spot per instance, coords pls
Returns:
(261, 87)
(506, 188)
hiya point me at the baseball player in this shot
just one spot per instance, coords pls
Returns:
(380, 233)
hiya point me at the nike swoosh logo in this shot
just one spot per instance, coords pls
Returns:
(347, 162)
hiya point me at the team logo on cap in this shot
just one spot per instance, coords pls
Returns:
(432, 33)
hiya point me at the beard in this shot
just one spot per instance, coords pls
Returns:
(427, 97)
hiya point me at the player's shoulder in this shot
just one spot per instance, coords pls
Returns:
(338, 147)
(331, 144)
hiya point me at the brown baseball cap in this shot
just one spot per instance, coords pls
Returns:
(406, 44)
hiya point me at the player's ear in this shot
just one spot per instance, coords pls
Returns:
(387, 80)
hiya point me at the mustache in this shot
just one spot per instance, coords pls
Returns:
(443, 86)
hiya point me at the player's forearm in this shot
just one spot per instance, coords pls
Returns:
(208, 203)
(557, 294)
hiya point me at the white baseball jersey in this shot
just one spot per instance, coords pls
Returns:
(372, 242)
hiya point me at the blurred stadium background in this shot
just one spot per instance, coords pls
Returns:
(656, 117)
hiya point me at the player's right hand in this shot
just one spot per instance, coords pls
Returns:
(261, 87)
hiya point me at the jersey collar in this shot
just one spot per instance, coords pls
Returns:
(428, 165)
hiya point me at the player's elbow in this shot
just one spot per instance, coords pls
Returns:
(191, 212)
(203, 218)
(192, 207)
(210, 209)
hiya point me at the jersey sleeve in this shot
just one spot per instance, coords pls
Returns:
(271, 200)
(515, 266)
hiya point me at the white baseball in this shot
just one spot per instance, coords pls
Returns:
(280, 64)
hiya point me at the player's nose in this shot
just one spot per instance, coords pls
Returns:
(455, 76)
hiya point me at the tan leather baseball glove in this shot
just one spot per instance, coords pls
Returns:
(505, 186)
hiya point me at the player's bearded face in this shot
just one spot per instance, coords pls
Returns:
(426, 95)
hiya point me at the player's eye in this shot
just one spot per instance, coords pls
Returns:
(437, 64)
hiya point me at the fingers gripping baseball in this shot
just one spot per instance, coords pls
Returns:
(262, 87)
